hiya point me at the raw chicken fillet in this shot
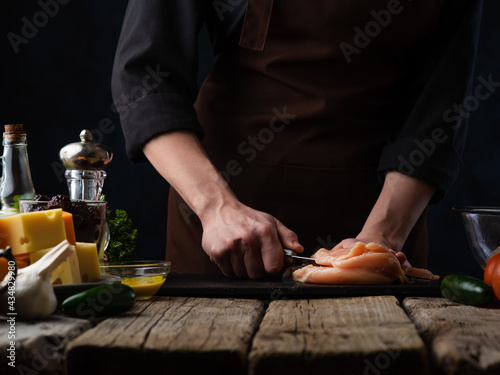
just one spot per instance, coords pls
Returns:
(363, 264)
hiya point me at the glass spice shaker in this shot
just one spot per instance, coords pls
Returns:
(16, 180)
(85, 162)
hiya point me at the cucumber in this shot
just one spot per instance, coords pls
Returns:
(103, 300)
(466, 290)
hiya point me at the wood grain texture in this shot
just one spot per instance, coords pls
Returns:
(39, 345)
(463, 339)
(365, 335)
(173, 335)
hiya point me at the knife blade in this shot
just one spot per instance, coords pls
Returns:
(291, 257)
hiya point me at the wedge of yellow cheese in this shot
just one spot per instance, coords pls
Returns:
(69, 227)
(32, 231)
(89, 261)
(68, 272)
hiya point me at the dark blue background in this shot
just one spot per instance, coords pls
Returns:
(59, 83)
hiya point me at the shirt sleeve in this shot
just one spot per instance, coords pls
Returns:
(154, 80)
(429, 144)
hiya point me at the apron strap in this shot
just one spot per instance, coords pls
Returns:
(256, 24)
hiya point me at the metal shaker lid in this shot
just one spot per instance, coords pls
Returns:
(85, 155)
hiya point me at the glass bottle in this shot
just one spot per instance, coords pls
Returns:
(16, 180)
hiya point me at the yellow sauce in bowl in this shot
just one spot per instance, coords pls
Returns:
(144, 286)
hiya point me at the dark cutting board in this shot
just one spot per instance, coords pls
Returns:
(277, 287)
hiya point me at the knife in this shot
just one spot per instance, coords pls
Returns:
(291, 257)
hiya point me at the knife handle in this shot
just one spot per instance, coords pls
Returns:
(289, 261)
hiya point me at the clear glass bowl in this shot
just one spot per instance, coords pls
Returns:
(144, 276)
(482, 227)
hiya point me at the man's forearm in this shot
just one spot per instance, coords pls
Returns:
(179, 157)
(400, 204)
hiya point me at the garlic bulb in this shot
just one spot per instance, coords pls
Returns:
(34, 293)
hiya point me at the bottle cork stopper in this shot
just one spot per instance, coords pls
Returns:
(13, 128)
(13, 131)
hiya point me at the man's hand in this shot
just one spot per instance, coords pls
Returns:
(244, 242)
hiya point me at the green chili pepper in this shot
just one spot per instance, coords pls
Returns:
(102, 300)
(466, 289)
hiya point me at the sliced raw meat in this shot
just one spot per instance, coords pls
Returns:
(363, 264)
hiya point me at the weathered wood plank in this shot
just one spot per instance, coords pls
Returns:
(367, 335)
(173, 335)
(38, 346)
(463, 339)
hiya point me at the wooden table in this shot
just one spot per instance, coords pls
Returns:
(186, 335)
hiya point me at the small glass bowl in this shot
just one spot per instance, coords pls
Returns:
(482, 227)
(145, 277)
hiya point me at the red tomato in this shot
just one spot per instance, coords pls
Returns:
(492, 274)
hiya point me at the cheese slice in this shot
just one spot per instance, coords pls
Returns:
(32, 231)
(89, 262)
(69, 227)
(68, 272)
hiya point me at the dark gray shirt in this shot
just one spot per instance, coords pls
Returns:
(155, 81)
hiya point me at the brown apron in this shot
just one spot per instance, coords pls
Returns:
(297, 112)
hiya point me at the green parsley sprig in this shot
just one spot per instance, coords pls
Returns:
(123, 236)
